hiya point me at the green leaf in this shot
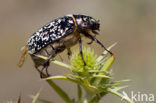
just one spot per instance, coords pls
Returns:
(60, 91)
(97, 71)
(96, 99)
(117, 83)
(100, 76)
(44, 101)
(74, 76)
(54, 61)
(79, 93)
(109, 62)
(94, 77)
(84, 83)
(105, 67)
(35, 98)
(57, 77)
(64, 78)
(119, 88)
(115, 91)
(104, 53)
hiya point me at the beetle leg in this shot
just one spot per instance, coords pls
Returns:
(41, 73)
(89, 43)
(60, 58)
(81, 52)
(95, 33)
(47, 52)
(46, 64)
(69, 53)
(52, 47)
(97, 41)
(47, 71)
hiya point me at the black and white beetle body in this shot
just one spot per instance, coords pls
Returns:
(60, 34)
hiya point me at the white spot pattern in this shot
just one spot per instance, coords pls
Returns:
(50, 33)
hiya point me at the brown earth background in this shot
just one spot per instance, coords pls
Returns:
(131, 23)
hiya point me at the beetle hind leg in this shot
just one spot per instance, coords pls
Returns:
(45, 67)
(46, 64)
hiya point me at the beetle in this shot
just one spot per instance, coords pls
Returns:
(58, 35)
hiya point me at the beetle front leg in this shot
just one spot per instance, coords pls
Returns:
(97, 41)
(89, 43)
(81, 52)
(92, 39)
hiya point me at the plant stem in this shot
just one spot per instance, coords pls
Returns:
(88, 96)
(58, 90)
(79, 93)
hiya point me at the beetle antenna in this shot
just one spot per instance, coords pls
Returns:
(24, 55)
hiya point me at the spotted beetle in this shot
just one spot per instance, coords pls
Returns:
(58, 35)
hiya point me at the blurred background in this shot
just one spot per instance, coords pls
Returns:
(131, 23)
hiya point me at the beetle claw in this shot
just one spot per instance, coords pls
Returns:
(45, 67)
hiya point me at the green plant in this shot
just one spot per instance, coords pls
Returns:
(94, 77)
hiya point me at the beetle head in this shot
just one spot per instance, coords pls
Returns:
(87, 23)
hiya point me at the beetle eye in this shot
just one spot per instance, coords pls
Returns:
(84, 24)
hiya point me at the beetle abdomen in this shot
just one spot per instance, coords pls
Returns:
(50, 33)
(61, 45)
